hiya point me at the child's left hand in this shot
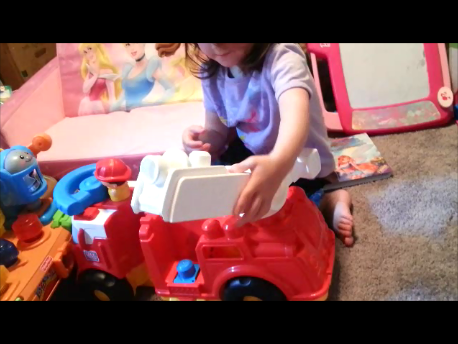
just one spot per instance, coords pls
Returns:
(267, 174)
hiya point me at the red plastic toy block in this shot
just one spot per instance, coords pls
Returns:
(119, 252)
(88, 215)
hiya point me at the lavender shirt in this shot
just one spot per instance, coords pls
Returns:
(250, 102)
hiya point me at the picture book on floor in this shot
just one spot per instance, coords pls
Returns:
(358, 161)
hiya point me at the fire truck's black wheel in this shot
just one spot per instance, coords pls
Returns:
(251, 289)
(97, 285)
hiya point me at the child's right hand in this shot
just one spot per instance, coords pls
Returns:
(192, 139)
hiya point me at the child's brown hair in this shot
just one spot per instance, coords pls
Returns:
(204, 68)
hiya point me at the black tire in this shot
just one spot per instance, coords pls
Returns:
(93, 284)
(249, 287)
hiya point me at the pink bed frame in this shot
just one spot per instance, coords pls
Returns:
(438, 73)
(37, 107)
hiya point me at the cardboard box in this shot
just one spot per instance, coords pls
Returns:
(20, 61)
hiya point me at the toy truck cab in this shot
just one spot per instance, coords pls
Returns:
(288, 256)
(193, 250)
(108, 252)
(105, 235)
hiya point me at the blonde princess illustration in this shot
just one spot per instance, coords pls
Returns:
(139, 78)
(102, 85)
(187, 86)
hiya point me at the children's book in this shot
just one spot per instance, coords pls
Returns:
(358, 161)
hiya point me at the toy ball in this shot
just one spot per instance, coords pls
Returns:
(8, 253)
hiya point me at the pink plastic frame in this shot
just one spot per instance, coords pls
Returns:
(438, 74)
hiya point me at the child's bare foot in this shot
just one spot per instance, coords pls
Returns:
(335, 207)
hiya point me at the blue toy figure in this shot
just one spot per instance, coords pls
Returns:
(22, 183)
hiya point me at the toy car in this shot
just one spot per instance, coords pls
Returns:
(289, 256)
(178, 222)
(194, 251)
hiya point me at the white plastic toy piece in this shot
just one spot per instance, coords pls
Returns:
(181, 188)
(94, 229)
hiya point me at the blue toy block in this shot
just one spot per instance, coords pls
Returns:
(187, 272)
(316, 197)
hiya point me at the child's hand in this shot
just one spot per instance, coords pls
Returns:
(192, 141)
(256, 198)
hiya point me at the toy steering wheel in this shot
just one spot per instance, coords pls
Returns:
(79, 190)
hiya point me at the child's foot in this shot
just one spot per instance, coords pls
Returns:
(336, 210)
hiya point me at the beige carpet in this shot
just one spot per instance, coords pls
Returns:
(407, 225)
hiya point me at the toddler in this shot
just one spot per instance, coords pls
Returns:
(262, 109)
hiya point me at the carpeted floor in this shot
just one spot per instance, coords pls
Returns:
(407, 226)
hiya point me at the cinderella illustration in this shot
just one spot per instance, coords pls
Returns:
(101, 84)
(139, 78)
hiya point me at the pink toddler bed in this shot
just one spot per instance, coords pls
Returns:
(96, 100)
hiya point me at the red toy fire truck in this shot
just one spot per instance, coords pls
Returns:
(191, 248)
(288, 256)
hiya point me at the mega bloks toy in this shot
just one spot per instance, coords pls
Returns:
(62, 220)
(22, 184)
(194, 249)
(180, 189)
(114, 174)
(384, 88)
(106, 246)
(288, 255)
